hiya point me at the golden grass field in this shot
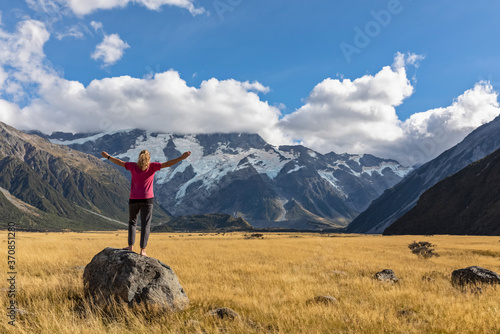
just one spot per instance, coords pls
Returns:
(267, 281)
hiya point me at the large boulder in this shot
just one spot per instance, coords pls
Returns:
(474, 275)
(124, 276)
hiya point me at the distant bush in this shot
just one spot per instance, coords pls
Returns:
(254, 236)
(423, 249)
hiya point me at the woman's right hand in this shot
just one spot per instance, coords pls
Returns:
(185, 155)
(104, 154)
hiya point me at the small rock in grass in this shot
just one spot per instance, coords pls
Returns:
(339, 273)
(21, 312)
(407, 313)
(428, 279)
(326, 300)
(386, 275)
(223, 313)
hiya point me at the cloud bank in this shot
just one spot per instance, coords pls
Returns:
(160, 103)
(360, 116)
(354, 116)
(85, 7)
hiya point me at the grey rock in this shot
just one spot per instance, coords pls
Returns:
(339, 273)
(386, 275)
(428, 279)
(124, 276)
(21, 311)
(223, 313)
(408, 312)
(474, 275)
(327, 300)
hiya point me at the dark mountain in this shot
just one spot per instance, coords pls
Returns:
(28, 218)
(396, 201)
(467, 202)
(242, 175)
(54, 187)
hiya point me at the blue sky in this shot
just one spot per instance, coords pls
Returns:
(289, 48)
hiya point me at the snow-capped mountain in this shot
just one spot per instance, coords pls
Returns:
(47, 187)
(241, 174)
(395, 202)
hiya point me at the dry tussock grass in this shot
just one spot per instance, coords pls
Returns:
(267, 281)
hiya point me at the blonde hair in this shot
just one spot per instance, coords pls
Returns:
(144, 158)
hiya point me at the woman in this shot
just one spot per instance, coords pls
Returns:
(141, 193)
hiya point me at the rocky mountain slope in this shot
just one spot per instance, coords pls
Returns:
(28, 218)
(467, 202)
(396, 201)
(53, 187)
(242, 175)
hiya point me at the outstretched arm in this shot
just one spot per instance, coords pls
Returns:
(174, 161)
(113, 160)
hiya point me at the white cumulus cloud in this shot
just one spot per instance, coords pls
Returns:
(84, 7)
(110, 50)
(345, 115)
(52, 10)
(429, 133)
(163, 102)
(354, 116)
(360, 116)
(22, 60)
(96, 25)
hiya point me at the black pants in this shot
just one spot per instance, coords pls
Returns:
(146, 210)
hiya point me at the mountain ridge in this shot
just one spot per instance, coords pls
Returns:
(398, 200)
(465, 203)
(66, 188)
(241, 174)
